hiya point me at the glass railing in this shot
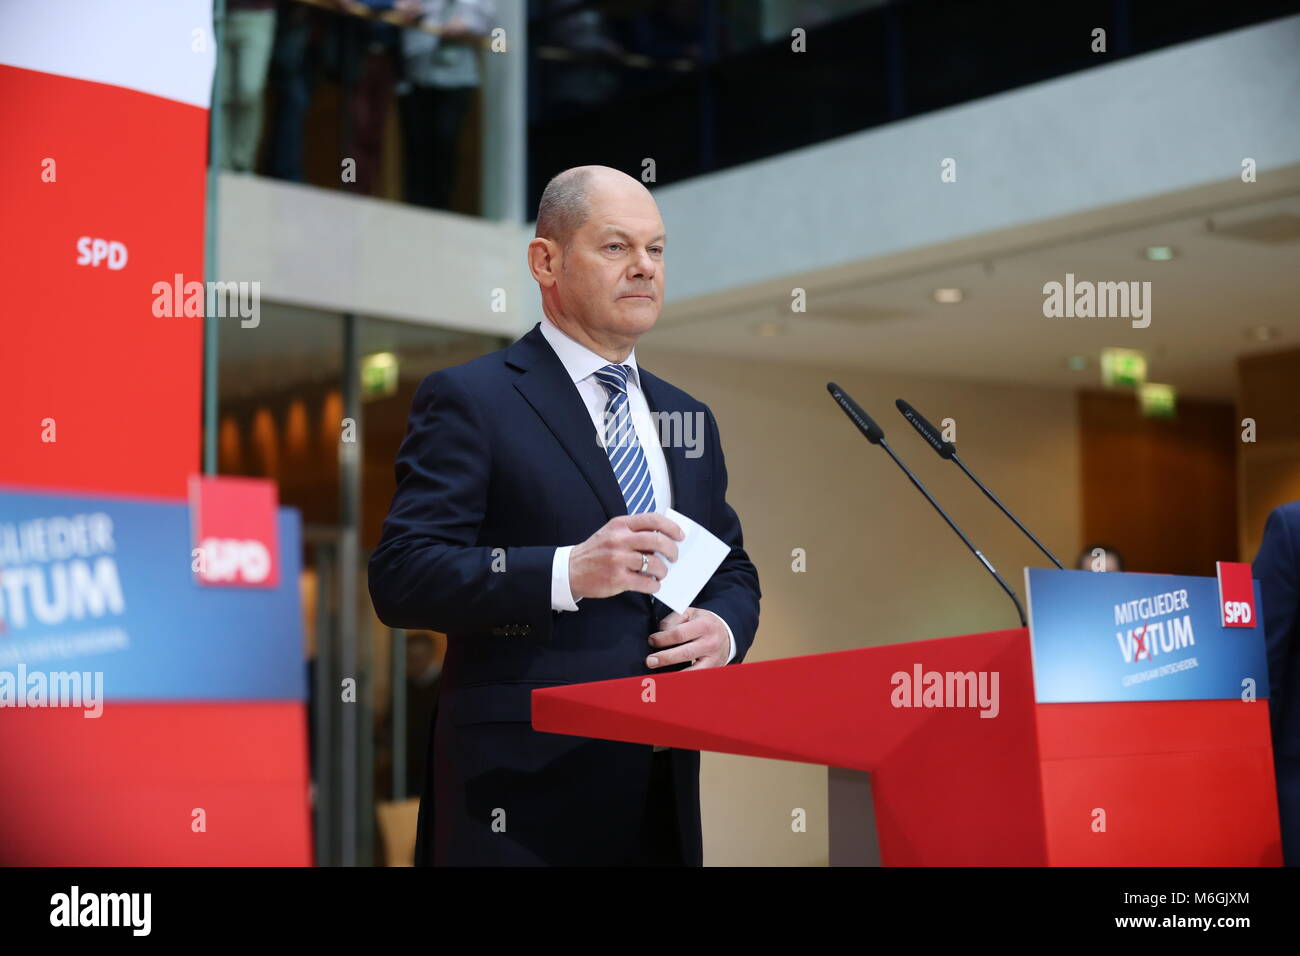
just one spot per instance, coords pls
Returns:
(694, 86)
(371, 97)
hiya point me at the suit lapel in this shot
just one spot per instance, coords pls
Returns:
(546, 386)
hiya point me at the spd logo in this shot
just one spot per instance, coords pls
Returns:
(233, 522)
(95, 252)
(228, 561)
(1238, 612)
(1236, 594)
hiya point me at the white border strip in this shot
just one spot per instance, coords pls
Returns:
(162, 47)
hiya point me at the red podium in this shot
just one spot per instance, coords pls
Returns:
(1178, 783)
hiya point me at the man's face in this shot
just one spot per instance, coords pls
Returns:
(612, 276)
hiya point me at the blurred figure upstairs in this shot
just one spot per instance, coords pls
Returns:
(441, 76)
(246, 54)
(366, 62)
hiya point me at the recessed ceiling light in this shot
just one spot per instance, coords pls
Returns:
(769, 329)
(1262, 333)
(1077, 363)
(948, 296)
(1159, 253)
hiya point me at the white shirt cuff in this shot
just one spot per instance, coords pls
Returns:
(561, 596)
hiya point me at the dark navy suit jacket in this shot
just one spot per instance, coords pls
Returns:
(499, 467)
(1277, 567)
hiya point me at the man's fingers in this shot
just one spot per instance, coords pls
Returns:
(651, 542)
(672, 620)
(654, 567)
(654, 521)
(636, 581)
(675, 655)
(677, 634)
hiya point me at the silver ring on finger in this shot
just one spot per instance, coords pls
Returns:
(645, 562)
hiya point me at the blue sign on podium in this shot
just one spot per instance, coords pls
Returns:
(107, 585)
(1114, 636)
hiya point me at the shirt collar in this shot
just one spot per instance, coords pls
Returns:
(580, 361)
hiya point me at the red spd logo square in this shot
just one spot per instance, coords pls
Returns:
(1236, 594)
(234, 533)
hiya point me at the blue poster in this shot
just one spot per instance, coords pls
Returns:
(1111, 636)
(105, 586)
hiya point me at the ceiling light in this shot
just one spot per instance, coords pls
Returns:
(1262, 333)
(1159, 253)
(948, 296)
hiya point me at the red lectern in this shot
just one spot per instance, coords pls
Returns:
(998, 781)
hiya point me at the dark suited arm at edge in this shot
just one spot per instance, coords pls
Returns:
(1275, 568)
(429, 572)
(732, 593)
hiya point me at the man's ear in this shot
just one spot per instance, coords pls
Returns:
(543, 261)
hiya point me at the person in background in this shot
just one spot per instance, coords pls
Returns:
(1099, 557)
(423, 679)
(295, 64)
(440, 78)
(368, 53)
(245, 55)
(1277, 568)
(592, 74)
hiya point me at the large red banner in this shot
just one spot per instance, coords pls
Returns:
(102, 189)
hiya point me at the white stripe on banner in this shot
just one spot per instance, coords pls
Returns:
(163, 47)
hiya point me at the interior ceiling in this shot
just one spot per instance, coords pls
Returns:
(1237, 267)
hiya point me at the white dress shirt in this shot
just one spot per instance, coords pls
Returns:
(580, 362)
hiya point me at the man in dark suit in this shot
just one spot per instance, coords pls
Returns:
(1277, 567)
(527, 525)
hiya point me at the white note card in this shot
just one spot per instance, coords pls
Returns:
(698, 556)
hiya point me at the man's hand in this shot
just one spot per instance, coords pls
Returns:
(698, 635)
(609, 562)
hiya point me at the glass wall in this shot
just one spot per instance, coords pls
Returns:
(701, 85)
(286, 413)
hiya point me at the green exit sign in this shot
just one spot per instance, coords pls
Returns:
(379, 375)
(1123, 368)
(1158, 401)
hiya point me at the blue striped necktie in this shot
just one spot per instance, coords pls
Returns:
(621, 444)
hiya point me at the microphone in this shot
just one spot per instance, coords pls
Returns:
(876, 435)
(946, 449)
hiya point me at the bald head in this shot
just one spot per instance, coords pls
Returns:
(567, 199)
(598, 258)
